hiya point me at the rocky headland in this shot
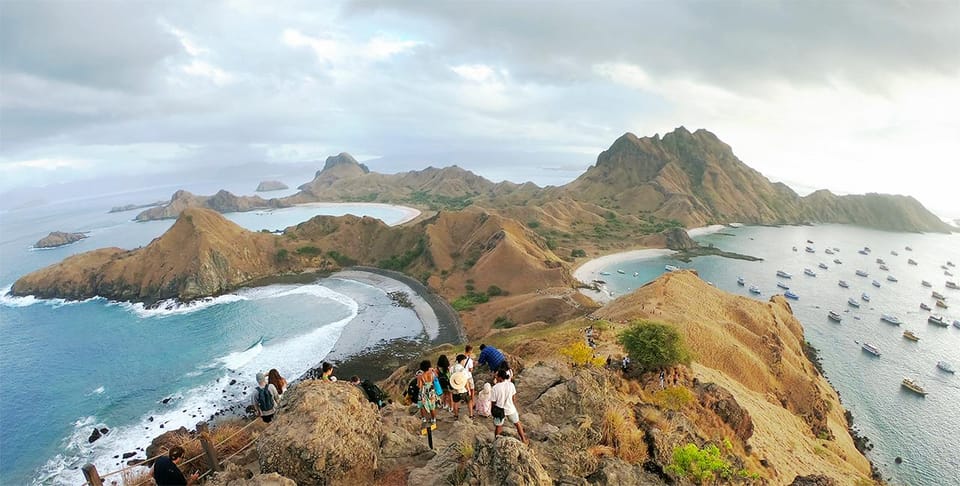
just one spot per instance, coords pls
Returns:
(267, 186)
(221, 202)
(131, 207)
(59, 238)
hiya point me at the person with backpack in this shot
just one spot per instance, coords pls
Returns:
(374, 393)
(265, 398)
(427, 396)
(443, 374)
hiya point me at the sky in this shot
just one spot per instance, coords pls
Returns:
(852, 95)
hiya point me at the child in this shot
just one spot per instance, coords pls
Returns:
(483, 400)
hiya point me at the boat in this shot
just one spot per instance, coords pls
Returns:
(853, 302)
(894, 253)
(822, 265)
(875, 284)
(636, 274)
(943, 365)
(908, 248)
(950, 264)
(910, 336)
(754, 290)
(621, 272)
(807, 271)
(836, 249)
(810, 241)
(952, 285)
(947, 273)
(783, 286)
(862, 252)
(867, 249)
(926, 284)
(790, 295)
(884, 268)
(670, 268)
(809, 250)
(941, 304)
(924, 306)
(880, 261)
(604, 273)
(837, 261)
(865, 296)
(911, 261)
(781, 273)
(937, 295)
(944, 267)
(834, 316)
(741, 282)
(956, 324)
(913, 386)
(794, 248)
(844, 284)
(891, 278)
(937, 320)
(870, 349)
(828, 251)
(861, 273)
(891, 319)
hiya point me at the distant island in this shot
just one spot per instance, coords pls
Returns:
(266, 186)
(131, 207)
(59, 238)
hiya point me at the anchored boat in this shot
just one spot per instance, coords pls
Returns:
(844, 284)
(911, 336)
(861, 273)
(913, 386)
(943, 365)
(791, 295)
(891, 319)
(834, 316)
(937, 320)
(781, 273)
(870, 349)
(853, 302)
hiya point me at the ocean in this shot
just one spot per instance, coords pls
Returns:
(923, 431)
(68, 367)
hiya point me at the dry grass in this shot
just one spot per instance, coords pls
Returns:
(619, 431)
(140, 476)
(653, 417)
(220, 433)
(394, 477)
(673, 398)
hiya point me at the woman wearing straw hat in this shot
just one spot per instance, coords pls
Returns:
(459, 383)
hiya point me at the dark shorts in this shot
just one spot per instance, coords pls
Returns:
(461, 397)
(267, 418)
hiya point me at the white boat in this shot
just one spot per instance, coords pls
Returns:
(636, 274)
(621, 272)
(880, 261)
(754, 290)
(865, 296)
(891, 278)
(952, 285)
(844, 284)
(947, 273)
(809, 250)
(884, 268)
(740, 281)
(828, 251)
(783, 286)
(943, 365)
(913, 386)
(837, 261)
(891, 319)
(834, 316)
(870, 349)
(670, 268)
(604, 273)
(956, 324)
(807, 271)
(861, 273)
(908, 248)
(853, 302)
(862, 252)
(937, 320)
(781, 273)
(822, 266)
(926, 284)
(894, 253)
(875, 284)
(836, 249)
(911, 261)
(790, 295)
(950, 264)
(924, 307)
(937, 295)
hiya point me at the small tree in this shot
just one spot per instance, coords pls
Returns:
(653, 345)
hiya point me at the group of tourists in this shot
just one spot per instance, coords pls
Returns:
(452, 386)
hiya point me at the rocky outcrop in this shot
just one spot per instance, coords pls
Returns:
(813, 480)
(724, 404)
(221, 202)
(266, 186)
(59, 238)
(234, 475)
(324, 433)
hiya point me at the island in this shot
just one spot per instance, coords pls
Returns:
(266, 186)
(131, 207)
(59, 238)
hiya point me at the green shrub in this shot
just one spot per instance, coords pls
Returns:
(699, 465)
(653, 345)
(502, 322)
(673, 398)
(308, 251)
(282, 255)
(533, 224)
(577, 253)
(494, 291)
(341, 259)
(469, 300)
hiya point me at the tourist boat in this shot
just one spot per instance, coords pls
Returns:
(875, 284)
(908, 248)
(937, 295)
(865, 296)
(870, 349)
(604, 273)
(837, 261)
(956, 324)
(941, 304)
(950, 264)
(926, 284)
(884, 268)
(844, 284)
(891, 278)
(636, 274)
(894, 253)
(621, 272)
(891, 319)
(836, 249)
(807, 271)
(834, 316)
(781, 273)
(952, 285)
(913, 386)
(828, 251)
(911, 261)
(947, 273)
(754, 290)
(943, 365)
(741, 282)
(853, 302)
(924, 306)
(794, 248)
(790, 295)
(810, 241)
(822, 265)
(911, 336)
(862, 252)
(880, 261)
(809, 250)
(937, 320)
(783, 286)
(670, 268)
(867, 249)
(861, 273)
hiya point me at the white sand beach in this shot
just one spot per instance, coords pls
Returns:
(590, 270)
(410, 213)
(706, 230)
(428, 317)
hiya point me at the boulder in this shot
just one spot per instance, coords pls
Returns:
(234, 475)
(723, 403)
(165, 441)
(813, 480)
(510, 463)
(323, 434)
(615, 472)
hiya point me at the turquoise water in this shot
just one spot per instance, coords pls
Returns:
(925, 432)
(70, 366)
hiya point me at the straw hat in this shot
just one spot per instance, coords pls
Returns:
(458, 381)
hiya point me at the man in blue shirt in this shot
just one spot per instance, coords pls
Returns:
(490, 356)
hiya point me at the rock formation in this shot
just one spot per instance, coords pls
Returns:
(266, 186)
(58, 238)
(221, 202)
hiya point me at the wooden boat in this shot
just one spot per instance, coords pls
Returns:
(937, 320)
(910, 336)
(913, 386)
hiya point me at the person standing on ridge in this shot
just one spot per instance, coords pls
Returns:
(443, 373)
(427, 399)
(503, 406)
(265, 398)
(166, 471)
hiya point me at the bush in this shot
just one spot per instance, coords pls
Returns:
(341, 259)
(308, 251)
(673, 398)
(699, 465)
(577, 253)
(502, 322)
(468, 300)
(282, 255)
(533, 224)
(494, 291)
(653, 345)
(581, 355)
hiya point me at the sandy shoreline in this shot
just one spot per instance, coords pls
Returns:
(706, 230)
(590, 270)
(409, 213)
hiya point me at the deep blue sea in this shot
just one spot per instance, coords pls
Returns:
(924, 431)
(67, 367)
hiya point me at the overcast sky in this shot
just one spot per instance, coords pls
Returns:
(854, 96)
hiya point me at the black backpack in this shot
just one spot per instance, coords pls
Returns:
(413, 391)
(264, 399)
(374, 393)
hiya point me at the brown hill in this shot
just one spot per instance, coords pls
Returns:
(881, 211)
(221, 202)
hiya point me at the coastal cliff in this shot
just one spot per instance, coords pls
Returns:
(221, 202)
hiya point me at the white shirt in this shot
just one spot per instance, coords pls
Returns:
(469, 367)
(502, 396)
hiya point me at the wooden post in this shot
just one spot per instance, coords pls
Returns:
(430, 436)
(91, 475)
(208, 449)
